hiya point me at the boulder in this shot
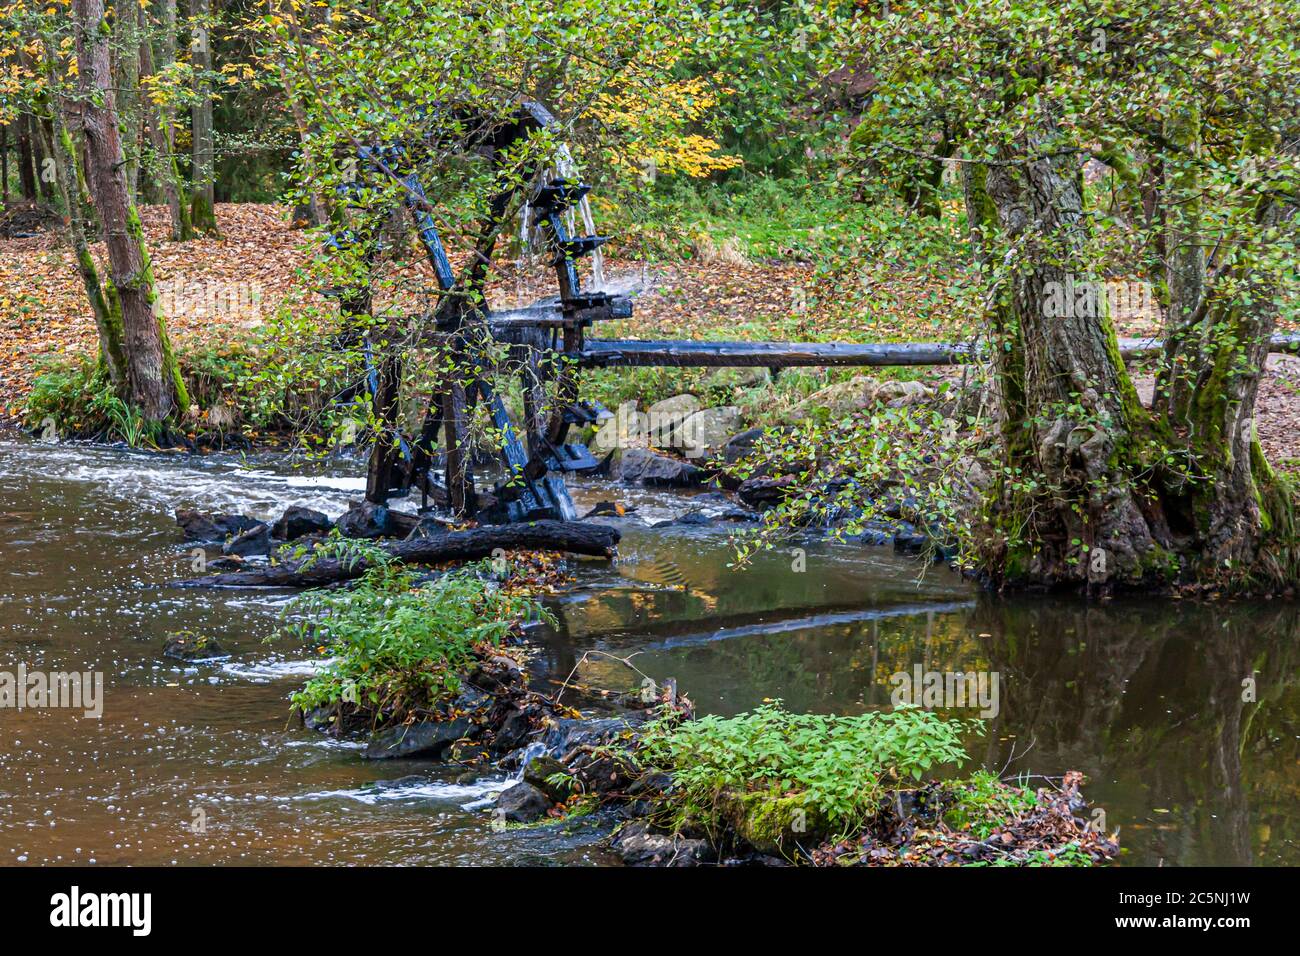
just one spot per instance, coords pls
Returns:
(603, 771)
(843, 398)
(696, 516)
(542, 773)
(747, 377)
(512, 730)
(836, 401)
(624, 430)
(771, 822)
(741, 445)
(256, 540)
(205, 526)
(365, 519)
(706, 431)
(896, 393)
(640, 465)
(522, 803)
(428, 739)
(428, 526)
(570, 732)
(639, 845)
(663, 417)
(192, 648)
(765, 492)
(909, 539)
(298, 522)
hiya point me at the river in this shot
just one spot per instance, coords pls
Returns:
(195, 765)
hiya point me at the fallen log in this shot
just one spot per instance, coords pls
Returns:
(574, 537)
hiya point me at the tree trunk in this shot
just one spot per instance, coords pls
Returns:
(1238, 501)
(108, 321)
(4, 164)
(159, 127)
(126, 76)
(1185, 267)
(46, 164)
(203, 197)
(26, 159)
(152, 381)
(1098, 490)
(1078, 420)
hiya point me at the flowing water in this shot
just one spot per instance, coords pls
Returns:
(199, 764)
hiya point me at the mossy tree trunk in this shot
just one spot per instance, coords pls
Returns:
(108, 322)
(152, 381)
(126, 78)
(1071, 411)
(1098, 489)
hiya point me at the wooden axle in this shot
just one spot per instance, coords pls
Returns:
(618, 353)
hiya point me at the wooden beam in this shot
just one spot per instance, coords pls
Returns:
(613, 353)
(605, 353)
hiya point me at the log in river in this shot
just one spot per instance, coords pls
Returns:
(574, 537)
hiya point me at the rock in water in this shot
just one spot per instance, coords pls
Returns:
(765, 492)
(256, 540)
(298, 522)
(644, 466)
(192, 648)
(364, 519)
(428, 739)
(542, 773)
(204, 526)
(522, 803)
(639, 845)
(741, 445)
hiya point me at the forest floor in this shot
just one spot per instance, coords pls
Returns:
(216, 291)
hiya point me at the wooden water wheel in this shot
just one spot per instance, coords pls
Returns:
(545, 341)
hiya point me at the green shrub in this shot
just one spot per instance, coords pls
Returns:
(398, 645)
(838, 767)
(73, 398)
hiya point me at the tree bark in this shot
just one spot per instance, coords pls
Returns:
(4, 163)
(1079, 419)
(152, 381)
(203, 196)
(126, 77)
(26, 159)
(158, 125)
(108, 322)
(574, 537)
(1184, 268)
